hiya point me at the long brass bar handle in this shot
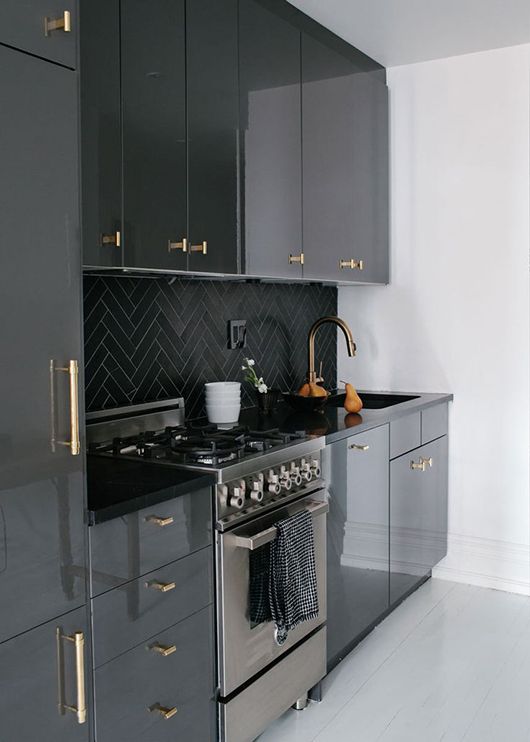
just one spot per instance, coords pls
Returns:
(166, 713)
(202, 248)
(57, 24)
(78, 639)
(352, 264)
(163, 587)
(74, 443)
(165, 651)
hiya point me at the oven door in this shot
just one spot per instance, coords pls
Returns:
(245, 648)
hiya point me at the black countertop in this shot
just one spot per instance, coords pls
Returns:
(116, 487)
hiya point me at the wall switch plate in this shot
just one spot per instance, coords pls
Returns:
(237, 334)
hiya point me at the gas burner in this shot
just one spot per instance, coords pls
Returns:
(207, 445)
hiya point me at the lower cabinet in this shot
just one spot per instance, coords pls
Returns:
(418, 515)
(43, 682)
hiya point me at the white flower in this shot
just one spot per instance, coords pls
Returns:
(262, 388)
(250, 362)
(243, 368)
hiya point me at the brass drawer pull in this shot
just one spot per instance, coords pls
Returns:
(73, 372)
(163, 587)
(183, 245)
(422, 464)
(165, 651)
(78, 639)
(359, 446)
(56, 24)
(166, 713)
(202, 248)
(162, 522)
(296, 259)
(352, 264)
(111, 239)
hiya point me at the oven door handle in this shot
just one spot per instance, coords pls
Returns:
(269, 534)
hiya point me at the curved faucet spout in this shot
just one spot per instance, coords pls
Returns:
(350, 344)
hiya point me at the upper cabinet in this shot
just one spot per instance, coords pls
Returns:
(231, 137)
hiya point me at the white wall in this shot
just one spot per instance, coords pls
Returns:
(456, 314)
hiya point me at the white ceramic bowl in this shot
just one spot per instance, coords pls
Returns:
(223, 414)
(223, 397)
(222, 385)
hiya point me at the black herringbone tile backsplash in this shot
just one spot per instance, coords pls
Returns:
(150, 339)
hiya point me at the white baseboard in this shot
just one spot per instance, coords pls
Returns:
(500, 565)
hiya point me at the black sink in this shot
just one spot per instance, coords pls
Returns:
(372, 400)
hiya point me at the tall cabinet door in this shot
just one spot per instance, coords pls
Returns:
(271, 142)
(41, 482)
(213, 136)
(101, 133)
(418, 515)
(358, 570)
(153, 72)
(345, 166)
(42, 672)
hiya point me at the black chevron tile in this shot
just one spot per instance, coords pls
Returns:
(155, 339)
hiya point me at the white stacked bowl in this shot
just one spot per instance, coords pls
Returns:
(223, 402)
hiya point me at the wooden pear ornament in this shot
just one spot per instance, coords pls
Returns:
(352, 403)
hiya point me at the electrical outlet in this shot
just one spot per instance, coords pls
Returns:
(237, 334)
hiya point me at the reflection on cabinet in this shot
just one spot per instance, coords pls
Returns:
(39, 679)
(418, 515)
(345, 165)
(271, 143)
(358, 570)
(41, 491)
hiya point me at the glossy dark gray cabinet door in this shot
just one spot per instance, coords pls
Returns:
(418, 515)
(345, 166)
(22, 26)
(154, 132)
(213, 137)
(101, 132)
(41, 490)
(358, 570)
(271, 142)
(30, 669)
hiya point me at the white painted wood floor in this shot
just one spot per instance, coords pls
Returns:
(451, 663)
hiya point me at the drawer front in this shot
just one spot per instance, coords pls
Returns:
(22, 25)
(434, 422)
(405, 434)
(143, 679)
(125, 548)
(126, 616)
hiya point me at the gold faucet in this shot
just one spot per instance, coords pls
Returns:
(350, 344)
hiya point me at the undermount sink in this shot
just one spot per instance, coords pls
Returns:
(372, 400)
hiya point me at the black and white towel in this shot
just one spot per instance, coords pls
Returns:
(283, 582)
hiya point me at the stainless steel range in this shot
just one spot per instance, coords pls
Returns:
(262, 477)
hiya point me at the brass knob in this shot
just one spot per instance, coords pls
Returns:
(111, 239)
(57, 24)
(183, 245)
(202, 248)
(352, 264)
(165, 651)
(296, 259)
(162, 522)
(166, 713)
(359, 447)
(163, 587)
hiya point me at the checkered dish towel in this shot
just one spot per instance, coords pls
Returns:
(283, 583)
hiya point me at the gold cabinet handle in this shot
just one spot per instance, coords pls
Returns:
(422, 464)
(164, 651)
(296, 259)
(352, 264)
(111, 239)
(182, 245)
(73, 372)
(162, 522)
(427, 462)
(57, 24)
(163, 587)
(78, 639)
(202, 248)
(360, 446)
(166, 713)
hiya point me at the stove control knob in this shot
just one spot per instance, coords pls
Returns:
(315, 468)
(237, 499)
(273, 485)
(256, 488)
(223, 494)
(242, 485)
(296, 479)
(305, 470)
(256, 495)
(285, 478)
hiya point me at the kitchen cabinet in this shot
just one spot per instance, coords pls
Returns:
(38, 679)
(271, 141)
(37, 27)
(356, 469)
(345, 167)
(418, 515)
(42, 532)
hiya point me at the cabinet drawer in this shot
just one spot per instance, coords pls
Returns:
(127, 547)
(22, 26)
(434, 422)
(126, 616)
(129, 686)
(405, 434)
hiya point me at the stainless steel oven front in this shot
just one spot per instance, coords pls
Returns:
(245, 648)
